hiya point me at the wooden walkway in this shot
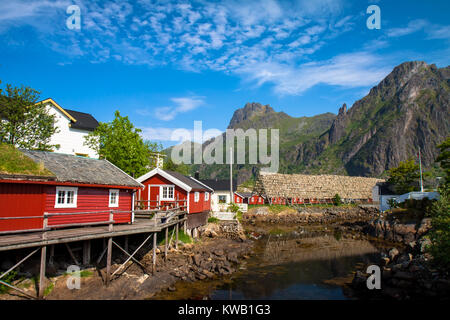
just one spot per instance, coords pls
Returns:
(35, 239)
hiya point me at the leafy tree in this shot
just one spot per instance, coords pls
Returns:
(405, 177)
(444, 159)
(172, 166)
(121, 143)
(337, 201)
(24, 122)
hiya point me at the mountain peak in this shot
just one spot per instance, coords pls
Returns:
(250, 110)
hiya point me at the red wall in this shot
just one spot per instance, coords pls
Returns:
(201, 205)
(90, 199)
(180, 194)
(17, 199)
(21, 200)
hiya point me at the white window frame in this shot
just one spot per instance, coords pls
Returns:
(196, 196)
(65, 204)
(161, 194)
(117, 192)
(206, 196)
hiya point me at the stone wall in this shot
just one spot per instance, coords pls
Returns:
(314, 186)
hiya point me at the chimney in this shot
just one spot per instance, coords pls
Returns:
(196, 175)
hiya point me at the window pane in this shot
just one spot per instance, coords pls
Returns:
(164, 192)
(70, 196)
(170, 192)
(61, 195)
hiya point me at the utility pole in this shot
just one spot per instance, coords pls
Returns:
(231, 175)
(420, 168)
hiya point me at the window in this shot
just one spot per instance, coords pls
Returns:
(260, 200)
(167, 193)
(222, 199)
(196, 196)
(206, 196)
(66, 197)
(113, 198)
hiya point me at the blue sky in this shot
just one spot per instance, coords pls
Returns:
(166, 64)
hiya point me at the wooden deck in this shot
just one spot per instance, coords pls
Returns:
(35, 239)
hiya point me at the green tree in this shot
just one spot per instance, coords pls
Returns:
(24, 122)
(440, 213)
(172, 166)
(121, 143)
(405, 177)
(444, 159)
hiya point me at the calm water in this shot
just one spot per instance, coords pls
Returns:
(288, 264)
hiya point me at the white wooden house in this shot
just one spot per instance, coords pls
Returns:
(73, 126)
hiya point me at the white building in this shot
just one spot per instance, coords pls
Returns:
(73, 127)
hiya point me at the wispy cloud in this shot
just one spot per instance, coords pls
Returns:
(182, 105)
(178, 134)
(412, 27)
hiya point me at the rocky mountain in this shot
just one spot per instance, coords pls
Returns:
(408, 110)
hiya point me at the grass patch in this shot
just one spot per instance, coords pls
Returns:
(12, 161)
(213, 220)
(49, 289)
(9, 278)
(183, 237)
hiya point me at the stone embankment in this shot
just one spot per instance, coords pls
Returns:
(302, 215)
(406, 270)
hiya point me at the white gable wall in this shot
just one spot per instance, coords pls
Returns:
(70, 140)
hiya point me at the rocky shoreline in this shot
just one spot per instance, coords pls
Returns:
(217, 252)
(407, 271)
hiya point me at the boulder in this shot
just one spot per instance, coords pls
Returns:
(393, 253)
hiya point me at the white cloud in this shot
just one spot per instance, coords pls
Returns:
(412, 27)
(182, 105)
(167, 134)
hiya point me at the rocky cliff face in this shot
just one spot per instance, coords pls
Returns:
(408, 110)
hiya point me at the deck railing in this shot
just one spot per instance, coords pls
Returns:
(159, 216)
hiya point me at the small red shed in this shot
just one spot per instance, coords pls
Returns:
(164, 187)
(248, 197)
(78, 185)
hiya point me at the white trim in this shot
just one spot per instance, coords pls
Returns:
(161, 192)
(111, 191)
(66, 205)
(165, 175)
(188, 196)
(212, 190)
(196, 196)
(206, 193)
(132, 205)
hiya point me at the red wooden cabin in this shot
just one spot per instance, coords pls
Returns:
(168, 188)
(78, 185)
(248, 197)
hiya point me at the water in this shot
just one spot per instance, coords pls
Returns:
(289, 264)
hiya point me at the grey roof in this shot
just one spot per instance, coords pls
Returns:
(219, 185)
(187, 180)
(70, 168)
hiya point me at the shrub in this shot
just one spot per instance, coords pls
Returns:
(213, 220)
(9, 278)
(440, 231)
(337, 201)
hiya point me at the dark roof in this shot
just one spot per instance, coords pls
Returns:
(70, 168)
(385, 188)
(85, 121)
(187, 180)
(245, 194)
(219, 185)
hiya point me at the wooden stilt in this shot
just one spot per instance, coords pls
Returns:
(126, 244)
(87, 252)
(108, 260)
(52, 255)
(71, 254)
(166, 244)
(42, 272)
(154, 253)
(176, 235)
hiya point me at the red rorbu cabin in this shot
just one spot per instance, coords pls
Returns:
(248, 197)
(74, 184)
(164, 188)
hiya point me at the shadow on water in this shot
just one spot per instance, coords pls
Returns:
(289, 264)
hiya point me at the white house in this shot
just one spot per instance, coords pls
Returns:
(73, 127)
(220, 198)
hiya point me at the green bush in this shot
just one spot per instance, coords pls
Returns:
(213, 220)
(440, 231)
(337, 201)
(9, 278)
(233, 207)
